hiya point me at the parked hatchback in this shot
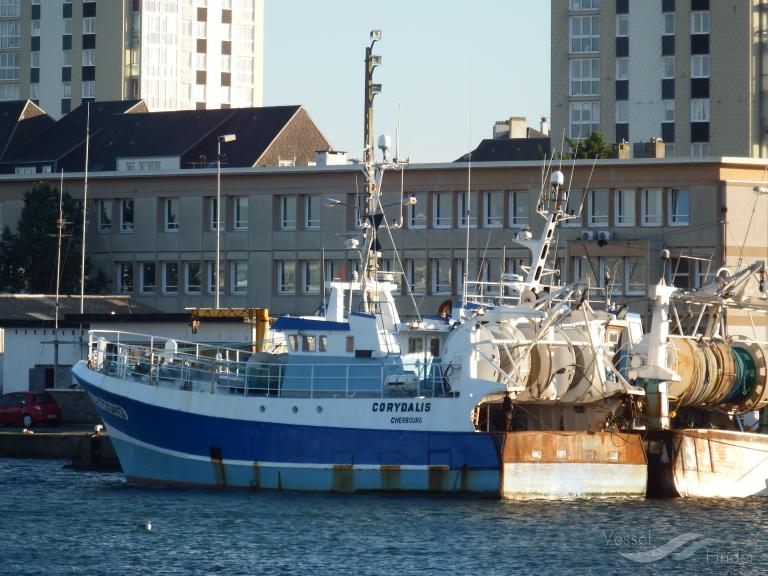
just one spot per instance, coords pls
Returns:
(29, 408)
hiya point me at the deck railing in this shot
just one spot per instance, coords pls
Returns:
(170, 363)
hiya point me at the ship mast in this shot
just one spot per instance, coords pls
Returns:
(372, 217)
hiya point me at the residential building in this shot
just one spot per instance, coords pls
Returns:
(174, 54)
(690, 72)
(512, 139)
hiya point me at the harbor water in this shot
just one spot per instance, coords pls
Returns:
(58, 521)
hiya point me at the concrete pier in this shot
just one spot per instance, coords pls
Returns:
(85, 450)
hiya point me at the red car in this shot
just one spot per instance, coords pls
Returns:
(28, 408)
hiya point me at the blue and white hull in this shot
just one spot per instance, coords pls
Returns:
(347, 445)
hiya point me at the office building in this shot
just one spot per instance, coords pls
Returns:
(173, 54)
(690, 72)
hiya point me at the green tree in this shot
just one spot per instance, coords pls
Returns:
(28, 256)
(594, 146)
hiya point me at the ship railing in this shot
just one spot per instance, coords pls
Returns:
(151, 360)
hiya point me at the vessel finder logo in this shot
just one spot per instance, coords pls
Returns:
(678, 548)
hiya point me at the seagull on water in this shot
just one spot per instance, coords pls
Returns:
(145, 526)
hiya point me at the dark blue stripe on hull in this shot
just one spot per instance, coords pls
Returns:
(295, 444)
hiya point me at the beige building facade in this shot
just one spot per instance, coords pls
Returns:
(691, 72)
(174, 54)
(155, 237)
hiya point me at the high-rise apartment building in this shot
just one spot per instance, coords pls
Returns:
(174, 54)
(691, 72)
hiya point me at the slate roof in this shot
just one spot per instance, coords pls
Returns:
(20, 121)
(125, 129)
(40, 309)
(512, 149)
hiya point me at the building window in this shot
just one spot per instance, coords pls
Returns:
(9, 34)
(669, 67)
(585, 118)
(678, 273)
(311, 277)
(636, 275)
(213, 214)
(703, 271)
(193, 277)
(10, 8)
(148, 277)
(669, 24)
(679, 207)
(312, 212)
(89, 57)
(9, 91)
(239, 277)
(585, 271)
(622, 68)
(286, 277)
(613, 276)
(584, 5)
(89, 89)
(700, 110)
(441, 276)
(518, 209)
(493, 209)
(443, 209)
(598, 207)
(700, 22)
(9, 65)
(124, 277)
(213, 277)
(622, 25)
(468, 209)
(104, 211)
(585, 77)
(651, 207)
(669, 111)
(171, 214)
(170, 277)
(700, 149)
(700, 66)
(126, 215)
(416, 275)
(288, 212)
(240, 216)
(584, 34)
(622, 112)
(89, 25)
(34, 59)
(573, 209)
(417, 213)
(625, 207)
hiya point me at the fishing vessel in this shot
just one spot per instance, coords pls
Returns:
(705, 388)
(518, 391)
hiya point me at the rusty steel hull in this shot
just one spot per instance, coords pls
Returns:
(702, 463)
(573, 464)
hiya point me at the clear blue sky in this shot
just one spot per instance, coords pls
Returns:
(443, 61)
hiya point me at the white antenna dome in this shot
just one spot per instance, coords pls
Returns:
(557, 178)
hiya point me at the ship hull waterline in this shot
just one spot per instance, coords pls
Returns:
(159, 445)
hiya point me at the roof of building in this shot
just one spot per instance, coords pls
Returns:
(126, 129)
(20, 121)
(40, 309)
(520, 149)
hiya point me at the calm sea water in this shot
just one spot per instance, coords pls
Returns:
(58, 521)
